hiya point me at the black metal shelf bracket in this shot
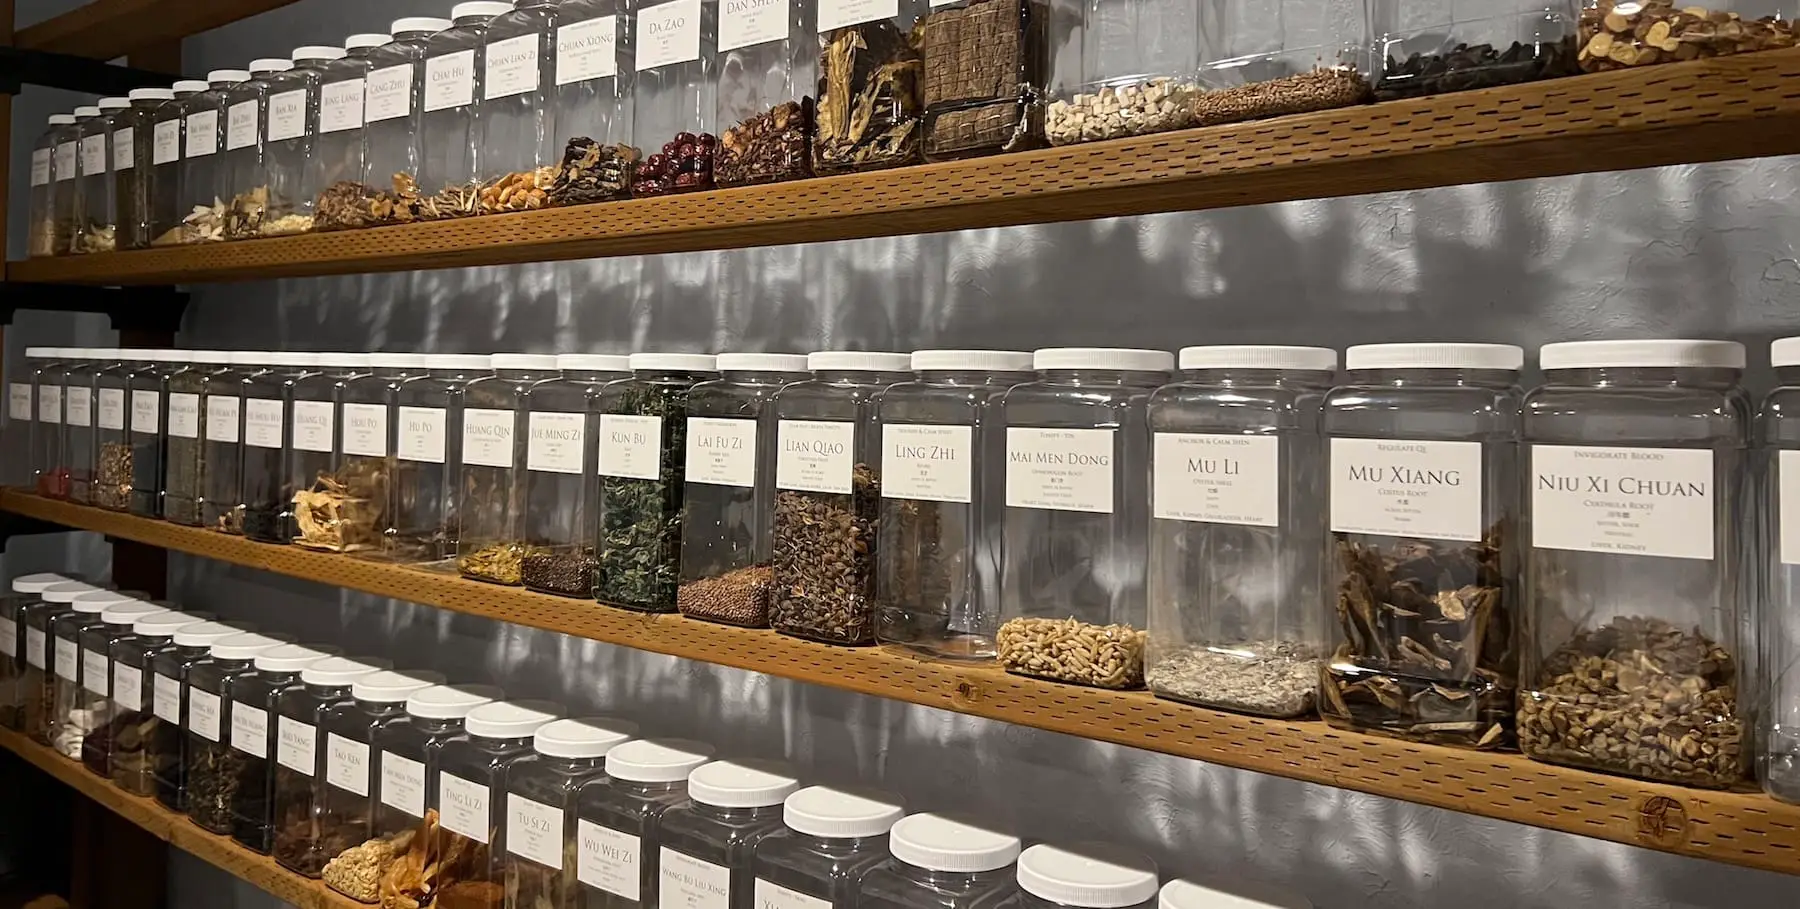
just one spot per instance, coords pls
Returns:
(155, 308)
(20, 67)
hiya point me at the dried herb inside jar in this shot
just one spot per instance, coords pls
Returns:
(344, 511)
(984, 68)
(869, 110)
(825, 562)
(640, 519)
(592, 172)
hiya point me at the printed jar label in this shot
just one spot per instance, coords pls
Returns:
(450, 81)
(66, 156)
(686, 882)
(845, 13)
(312, 426)
(93, 155)
(341, 106)
(68, 661)
(403, 784)
(166, 142)
(240, 125)
(203, 714)
(262, 423)
(512, 67)
(79, 409)
(775, 896)
(668, 33)
(202, 133)
(935, 463)
(1401, 488)
(421, 434)
(365, 430)
(287, 115)
(49, 403)
(630, 446)
(534, 830)
(555, 441)
(389, 93)
(463, 806)
(746, 22)
(112, 409)
(124, 148)
(815, 455)
(18, 400)
(587, 50)
(607, 859)
(144, 411)
(40, 167)
(488, 437)
(1221, 479)
(250, 729)
(9, 637)
(1787, 469)
(34, 647)
(1060, 469)
(221, 418)
(165, 696)
(1633, 501)
(128, 687)
(347, 764)
(296, 745)
(94, 673)
(721, 452)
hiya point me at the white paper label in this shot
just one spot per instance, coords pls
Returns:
(262, 423)
(630, 446)
(607, 859)
(1631, 501)
(68, 660)
(287, 115)
(1222, 479)
(111, 414)
(403, 784)
(365, 430)
(721, 452)
(167, 139)
(341, 106)
(450, 80)
(421, 434)
(312, 426)
(1060, 469)
(774, 896)
(389, 93)
(18, 400)
(40, 167)
(935, 463)
(555, 442)
(202, 133)
(128, 687)
(815, 455)
(9, 638)
(463, 806)
(184, 415)
(203, 713)
(124, 148)
(250, 729)
(746, 22)
(668, 33)
(94, 674)
(534, 830)
(143, 411)
(221, 418)
(844, 13)
(49, 403)
(34, 647)
(79, 409)
(512, 67)
(685, 882)
(488, 437)
(1787, 471)
(296, 745)
(1399, 488)
(240, 125)
(587, 50)
(65, 161)
(93, 155)
(166, 693)
(347, 764)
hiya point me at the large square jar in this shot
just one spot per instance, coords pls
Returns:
(1262, 60)
(335, 169)
(986, 65)
(516, 116)
(96, 694)
(96, 214)
(215, 768)
(616, 828)
(541, 793)
(1085, 876)
(317, 506)
(1622, 35)
(137, 728)
(706, 848)
(1423, 487)
(593, 103)
(1637, 660)
(169, 207)
(145, 397)
(42, 225)
(871, 108)
(76, 710)
(490, 544)
(1424, 47)
(346, 509)
(297, 779)
(1778, 492)
(675, 95)
(41, 680)
(290, 141)
(453, 68)
(110, 480)
(45, 400)
(392, 133)
(943, 861)
(192, 645)
(428, 459)
(244, 167)
(468, 838)
(1134, 72)
(268, 393)
(768, 70)
(80, 430)
(252, 697)
(25, 595)
(222, 452)
(561, 475)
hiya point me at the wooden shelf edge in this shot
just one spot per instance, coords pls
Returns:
(104, 29)
(175, 829)
(1743, 828)
(1678, 113)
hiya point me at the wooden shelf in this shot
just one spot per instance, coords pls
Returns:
(1743, 828)
(104, 29)
(1705, 110)
(178, 831)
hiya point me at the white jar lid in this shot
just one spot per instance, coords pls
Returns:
(682, 362)
(450, 702)
(1091, 875)
(339, 672)
(1785, 352)
(96, 601)
(204, 634)
(262, 65)
(293, 358)
(113, 103)
(463, 362)
(741, 784)
(594, 362)
(189, 85)
(171, 355)
(317, 52)
(40, 351)
(227, 75)
(366, 39)
(164, 624)
(244, 645)
(939, 842)
(1259, 356)
(60, 120)
(998, 360)
(37, 583)
(480, 8)
(66, 591)
(1651, 354)
(841, 813)
(531, 362)
(125, 615)
(1188, 894)
(510, 719)
(1105, 358)
(586, 737)
(1504, 357)
(250, 357)
(761, 362)
(210, 357)
(288, 658)
(340, 360)
(390, 687)
(858, 361)
(419, 24)
(398, 361)
(656, 760)
(88, 110)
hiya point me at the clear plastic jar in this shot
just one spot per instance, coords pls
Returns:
(72, 713)
(942, 861)
(252, 696)
(111, 479)
(1235, 894)
(986, 71)
(517, 134)
(136, 728)
(491, 539)
(1778, 440)
(41, 236)
(244, 168)
(133, 150)
(675, 95)
(1138, 59)
(1073, 575)
(943, 468)
(1634, 587)
(298, 775)
(1423, 509)
(313, 439)
(206, 178)
(41, 678)
(147, 392)
(191, 645)
(49, 366)
(92, 228)
(428, 459)
(21, 413)
(1295, 58)
(222, 453)
(616, 832)
(265, 493)
(1618, 35)
(643, 450)
(345, 794)
(214, 768)
(335, 172)
(184, 384)
(469, 839)
(25, 597)
(706, 847)
(828, 496)
(1425, 49)
(65, 167)
(593, 102)
(541, 792)
(453, 71)
(728, 505)
(1237, 536)
(767, 62)
(1085, 876)
(73, 381)
(832, 838)
(79, 443)
(870, 104)
(393, 134)
(95, 697)
(168, 203)
(290, 141)
(345, 511)
(560, 484)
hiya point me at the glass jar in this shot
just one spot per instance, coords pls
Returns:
(942, 861)
(490, 543)
(1633, 586)
(468, 839)
(1237, 536)
(541, 792)
(252, 696)
(309, 516)
(146, 384)
(298, 774)
(1423, 493)
(49, 366)
(344, 794)
(132, 152)
(985, 72)
(244, 167)
(767, 70)
(25, 597)
(616, 830)
(675, 95)
(335, 172)
(111, 477)
(728, 503)
(1426, 50)
(91, 230)
(1257, 62)
(42, 672)
(136, 728)
(169, 205)
(185, 382)
(65, 166)
(78, 445)
(215, 768)
(1139, 59)
(1235, 894)
(870, 100)
(1778, 438)
(348, 506)
(560, 471)
(1085, 876)
(42, 232)
(833, 838)
(95, 696)
(428, 459)
(1618, 35)
(1073, 574)
(453, 70)
(706, 847)
(517, 131)
(393, 134)
(206, 177)
(290, 136)
(222, 454)
(642, 450)
(268, 392)
(72, 715)
(828, 496)
(593, 107)
(943, 467)
(191, 645)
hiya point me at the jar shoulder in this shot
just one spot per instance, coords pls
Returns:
(1637, 415)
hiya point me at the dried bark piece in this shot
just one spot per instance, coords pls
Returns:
(869, 107)
(592, 172)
